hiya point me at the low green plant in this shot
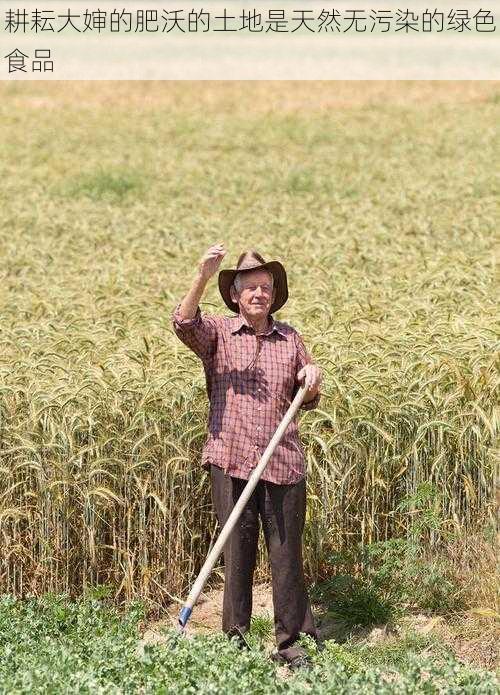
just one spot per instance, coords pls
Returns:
(261, 629)
(353, 600)
(410, 571)
(55, 645)
(397, 650)
(332, 652)
(375, 583)
(407, 576)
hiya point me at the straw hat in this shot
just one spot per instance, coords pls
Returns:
(251, 260)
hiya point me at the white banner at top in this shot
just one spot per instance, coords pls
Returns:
(309, 40)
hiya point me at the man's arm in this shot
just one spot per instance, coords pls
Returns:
(308, 374)
(188, 308)
(199, 332)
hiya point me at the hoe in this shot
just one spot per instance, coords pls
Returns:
(237, 509)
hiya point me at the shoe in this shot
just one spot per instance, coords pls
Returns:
(301, 661)
(241, 642)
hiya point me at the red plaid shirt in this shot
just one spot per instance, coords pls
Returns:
(251, 381)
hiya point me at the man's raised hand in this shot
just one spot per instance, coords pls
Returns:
(211, 261)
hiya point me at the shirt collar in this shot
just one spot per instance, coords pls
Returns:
(239, 321)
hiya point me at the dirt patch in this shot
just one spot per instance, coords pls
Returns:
(207, 614)
(474, 639)
(207, 617)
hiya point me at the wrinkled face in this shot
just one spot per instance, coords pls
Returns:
(255, 295)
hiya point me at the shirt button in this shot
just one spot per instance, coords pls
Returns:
(259, 390)
(259, 427)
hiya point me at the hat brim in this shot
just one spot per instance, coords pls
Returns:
(280, 284)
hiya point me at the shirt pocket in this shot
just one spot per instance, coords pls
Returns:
(282, 377)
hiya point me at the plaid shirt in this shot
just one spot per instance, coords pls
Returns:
(251, 381)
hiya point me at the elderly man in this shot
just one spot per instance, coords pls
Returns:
(253, 368)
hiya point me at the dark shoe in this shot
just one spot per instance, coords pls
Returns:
(301, 661)
(240, 639)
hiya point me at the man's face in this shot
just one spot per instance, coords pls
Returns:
(256, 294)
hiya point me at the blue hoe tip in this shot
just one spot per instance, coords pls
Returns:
(184, 616)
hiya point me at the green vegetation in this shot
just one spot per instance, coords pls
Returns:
(378, 582)
(54, 645)
(261, 629)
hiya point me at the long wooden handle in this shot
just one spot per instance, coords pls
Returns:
(254, 478)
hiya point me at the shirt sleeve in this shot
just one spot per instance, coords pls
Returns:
(303, 358)
(198, 333)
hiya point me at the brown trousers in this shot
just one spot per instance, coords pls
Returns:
(282, 509)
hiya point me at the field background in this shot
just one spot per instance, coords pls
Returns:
(382, 199)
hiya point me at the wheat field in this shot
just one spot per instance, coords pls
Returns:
(381, 199)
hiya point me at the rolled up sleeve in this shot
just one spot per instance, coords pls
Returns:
(303, 358)
(199, 334)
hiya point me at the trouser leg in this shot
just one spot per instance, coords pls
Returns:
(240, 551)
(283, 509)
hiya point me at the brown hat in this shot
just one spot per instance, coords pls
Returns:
(251, 260)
